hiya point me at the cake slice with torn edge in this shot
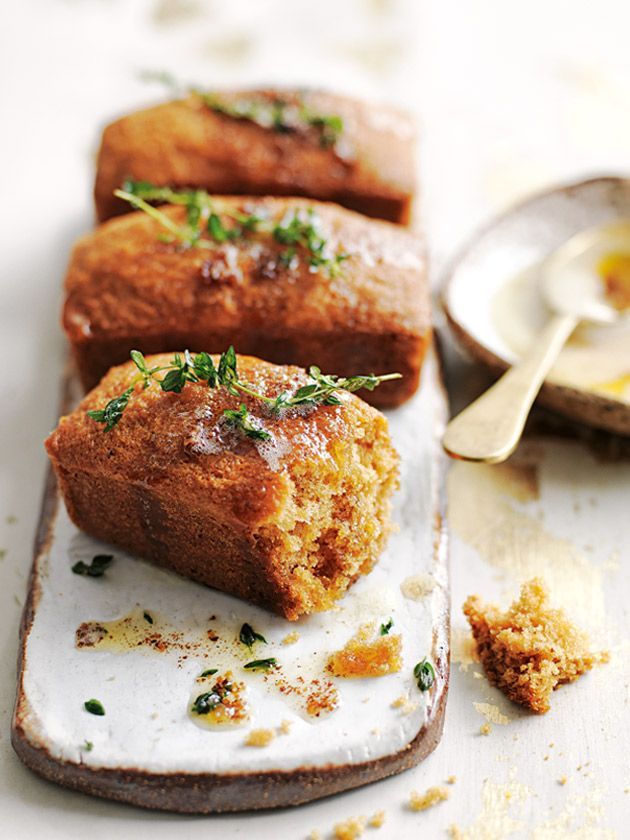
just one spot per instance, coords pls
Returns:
(283, 505)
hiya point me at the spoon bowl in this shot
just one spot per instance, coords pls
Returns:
(570, 278)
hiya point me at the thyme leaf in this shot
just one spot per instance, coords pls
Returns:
(246, 422)
(97, 567)
(248, 636)
(385, 628)
(206, 702)
(94, 707)
(209, 672)
(424, 674)
(261, 664)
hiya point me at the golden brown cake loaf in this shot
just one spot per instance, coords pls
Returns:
(126, 288)
(287, 523)
(265, 142)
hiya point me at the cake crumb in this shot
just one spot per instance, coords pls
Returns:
(405, 705)
(259, 737)
(417, 587)
(451, 780)
(562, 780)
(350, 829)
(291, 638)
(485, 729)
(285, 727)
(377, 819)
(314, 835)
(530, 649)
(455, 832)
(432, 796)
(491, 713)
(365, 657)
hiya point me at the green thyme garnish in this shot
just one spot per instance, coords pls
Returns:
(278, 114)
(424, 674)
(322, 390)
(101, 562)
(248, 636)
(206, 702)
(243, 420)
(94, 707)
(261, 664)
(88, 746)
(111, 414)
(385, 628)
(147, 617)
(209, 672)
(298, 230)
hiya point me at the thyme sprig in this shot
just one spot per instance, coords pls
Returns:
(187, 368)
(299, 229)
(278, 114)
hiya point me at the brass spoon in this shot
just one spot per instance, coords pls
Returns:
(489, 429)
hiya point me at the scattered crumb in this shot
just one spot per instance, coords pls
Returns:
(455, 832)
(546, 758)
(362, 657)
(451, 780)
(350, 829)
(376, 731)
(259, 737)
(285, 727)
(377, 819)
(531, 649)
(492, 713)
(291, 638)
(463, 648)
(314, 835)
(405, 705)
(431, 797)
(551, 744)
(3, 553)
(417, 587)
(476, 675)
(485, 729)
(562, 780)
(11, 520)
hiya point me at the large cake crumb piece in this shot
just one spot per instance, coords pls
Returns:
(531, 649)
(350, 829)
(365, 657)
(431, 797)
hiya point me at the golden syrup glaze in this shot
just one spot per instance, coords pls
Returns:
(614, 271)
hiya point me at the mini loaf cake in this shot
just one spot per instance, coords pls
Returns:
(305, 282)
(265, 142)
(284, 507)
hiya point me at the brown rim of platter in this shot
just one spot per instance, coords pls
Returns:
(205, 793)
(593, 409)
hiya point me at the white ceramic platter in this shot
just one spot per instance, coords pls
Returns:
(492, 300)
(148, 750)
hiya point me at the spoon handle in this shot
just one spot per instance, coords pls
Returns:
(490, 428)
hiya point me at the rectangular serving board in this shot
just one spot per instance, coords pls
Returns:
(147, 750)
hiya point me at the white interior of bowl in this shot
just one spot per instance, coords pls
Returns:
(493, 294)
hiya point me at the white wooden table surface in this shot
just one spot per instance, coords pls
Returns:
(511, 97)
